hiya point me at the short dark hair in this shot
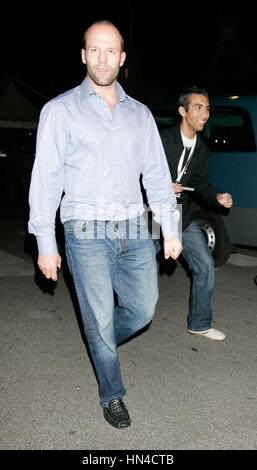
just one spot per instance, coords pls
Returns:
(185, 95)
(102, 22)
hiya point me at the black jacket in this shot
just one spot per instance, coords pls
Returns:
(196, 175)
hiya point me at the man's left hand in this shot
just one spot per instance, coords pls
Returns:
(225, 199)
(172, 247)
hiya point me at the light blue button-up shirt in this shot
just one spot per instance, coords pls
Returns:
(94, 158)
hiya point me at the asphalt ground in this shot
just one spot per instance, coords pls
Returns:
(183, 392)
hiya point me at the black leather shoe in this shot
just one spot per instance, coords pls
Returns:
(116, 414)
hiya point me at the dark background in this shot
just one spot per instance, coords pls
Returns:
(168, 47)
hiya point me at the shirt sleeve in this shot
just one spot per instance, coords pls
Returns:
(47, 179)
(157, 182)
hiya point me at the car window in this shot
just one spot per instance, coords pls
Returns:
(229, 129)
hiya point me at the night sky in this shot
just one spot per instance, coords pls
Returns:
(40, 45)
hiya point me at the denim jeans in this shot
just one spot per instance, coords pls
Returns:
(200, 261)
(104, 257)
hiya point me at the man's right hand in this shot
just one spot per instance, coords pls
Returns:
(178, 188)
(48, 264)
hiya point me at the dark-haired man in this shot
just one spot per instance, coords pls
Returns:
(188, 156)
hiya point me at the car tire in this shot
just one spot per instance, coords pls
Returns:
(215, 232)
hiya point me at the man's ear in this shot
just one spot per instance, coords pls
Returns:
(83, 56)
(182, 111)
(122, 58)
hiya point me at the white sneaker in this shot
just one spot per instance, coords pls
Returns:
(211, 334)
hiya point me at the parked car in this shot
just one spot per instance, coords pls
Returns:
(231, 133)
(17, 150)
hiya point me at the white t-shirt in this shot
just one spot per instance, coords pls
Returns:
(189, 144)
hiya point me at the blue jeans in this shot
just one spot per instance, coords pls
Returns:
(104, 257)
(201, 264)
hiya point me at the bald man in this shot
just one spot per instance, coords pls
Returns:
(93, 144)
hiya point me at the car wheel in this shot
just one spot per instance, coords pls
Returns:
(215, 234)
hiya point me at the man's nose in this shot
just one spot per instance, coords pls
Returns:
(205, 112)
(102, 56)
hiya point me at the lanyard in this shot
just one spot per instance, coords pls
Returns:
(183, 169)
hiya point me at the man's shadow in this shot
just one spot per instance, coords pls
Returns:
(48, 286)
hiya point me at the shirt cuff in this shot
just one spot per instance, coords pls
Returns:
(167, 233)
(47, 245)
(171, 225)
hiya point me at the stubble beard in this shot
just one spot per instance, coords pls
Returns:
(105, 81)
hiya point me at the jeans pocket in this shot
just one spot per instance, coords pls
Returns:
(82, 229)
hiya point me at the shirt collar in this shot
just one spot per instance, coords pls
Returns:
(87, 90)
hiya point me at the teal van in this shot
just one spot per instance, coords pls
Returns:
(231, 133)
